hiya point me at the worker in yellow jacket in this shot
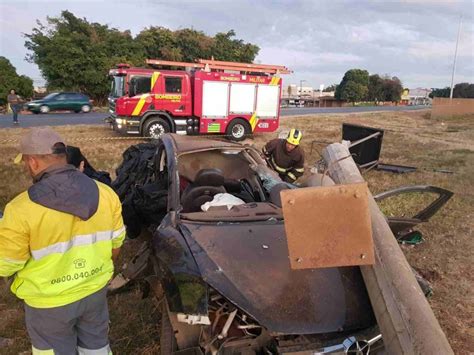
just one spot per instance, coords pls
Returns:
(59, 239)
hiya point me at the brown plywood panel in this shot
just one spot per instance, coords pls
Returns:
(328, 226)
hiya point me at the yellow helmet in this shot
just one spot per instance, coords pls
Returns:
(294, 137)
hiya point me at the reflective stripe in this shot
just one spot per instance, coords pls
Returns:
(42, 352)
(281, 170)
(118, 232)
(76, 241)
(140, 105)
(102, 351)
(154, 79)
(290, 174)
(301, 170)
(253, 121)
(275, 80)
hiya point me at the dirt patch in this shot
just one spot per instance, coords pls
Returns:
(445, 258)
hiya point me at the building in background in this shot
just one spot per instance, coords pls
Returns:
(418, 96)
(306, 96)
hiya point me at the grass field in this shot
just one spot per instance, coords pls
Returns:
(411, 138)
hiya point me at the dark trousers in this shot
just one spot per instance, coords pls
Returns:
(15, 110)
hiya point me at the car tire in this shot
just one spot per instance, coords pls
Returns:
(168, 343)
(86, 108)
(44, 109)
(156, 127)
(35, 112)
(238, 130)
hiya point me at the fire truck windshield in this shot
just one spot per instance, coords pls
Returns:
(118, 86)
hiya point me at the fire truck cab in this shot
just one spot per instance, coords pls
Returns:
(207, 97)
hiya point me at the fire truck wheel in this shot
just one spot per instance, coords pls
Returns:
(238, 130)
(155, 127)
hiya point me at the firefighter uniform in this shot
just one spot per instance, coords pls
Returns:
(288, 164)
(58, 238)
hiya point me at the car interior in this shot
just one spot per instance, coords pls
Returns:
(229, 173)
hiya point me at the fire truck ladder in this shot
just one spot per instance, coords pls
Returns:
(217, 65)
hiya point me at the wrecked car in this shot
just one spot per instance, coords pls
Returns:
(225, 273)
(222, 273)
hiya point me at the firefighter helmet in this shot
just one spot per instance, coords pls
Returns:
(294, 137)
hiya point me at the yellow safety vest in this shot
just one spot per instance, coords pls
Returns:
(59, 258)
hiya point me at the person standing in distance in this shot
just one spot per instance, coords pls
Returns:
(15, 104)
(59, 238)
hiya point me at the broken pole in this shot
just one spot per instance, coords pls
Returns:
(405, 318)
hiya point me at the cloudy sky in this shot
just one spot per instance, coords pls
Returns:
(318, 40)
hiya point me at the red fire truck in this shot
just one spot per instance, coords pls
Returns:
(207, 97)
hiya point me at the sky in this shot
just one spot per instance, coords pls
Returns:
(318, 40)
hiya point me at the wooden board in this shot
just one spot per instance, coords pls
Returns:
(328, 226)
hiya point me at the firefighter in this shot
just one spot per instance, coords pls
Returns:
(59, 238)
(285, 156)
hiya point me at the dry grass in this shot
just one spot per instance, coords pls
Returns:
(412, 138)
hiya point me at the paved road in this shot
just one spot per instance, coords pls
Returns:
(60, 119)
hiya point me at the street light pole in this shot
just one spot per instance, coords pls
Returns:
(454, 63)
(301, 90)
(301, 87)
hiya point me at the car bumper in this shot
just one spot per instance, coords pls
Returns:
(32, 108)
(124, 125)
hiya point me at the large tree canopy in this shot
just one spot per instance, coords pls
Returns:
(353, 86)
(357, 85)
(461, 90)
(74, 54)
(9, 79)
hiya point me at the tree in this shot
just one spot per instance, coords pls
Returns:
(392, 89)
(463, 90)
(188, 45)
(375, 88)
(9, 79)
(440, 92)
(354, 92)
(331, 88)
(74, 54)
(159, 42)
(226, 48)
(354, 76)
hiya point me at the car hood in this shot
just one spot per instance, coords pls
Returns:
(37, 102)
(248, 264)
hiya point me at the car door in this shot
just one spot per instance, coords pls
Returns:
(59, 102)
(74, 102)
(173, 94)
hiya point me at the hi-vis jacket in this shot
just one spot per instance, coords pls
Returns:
(58, 238)
(289, 165)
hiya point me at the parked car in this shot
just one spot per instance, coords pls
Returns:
(225, 276)
(63, 101)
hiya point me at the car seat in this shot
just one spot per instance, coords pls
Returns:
(208, 182)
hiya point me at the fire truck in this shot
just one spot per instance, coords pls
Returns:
(206, 97)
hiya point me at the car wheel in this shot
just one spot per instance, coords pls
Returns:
(156, 127)
(44, 109)
(168, 343)
(35, 112)
(238, 130)
(85, 108)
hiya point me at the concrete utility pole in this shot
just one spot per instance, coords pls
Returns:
(455, 57)
(321, 88)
